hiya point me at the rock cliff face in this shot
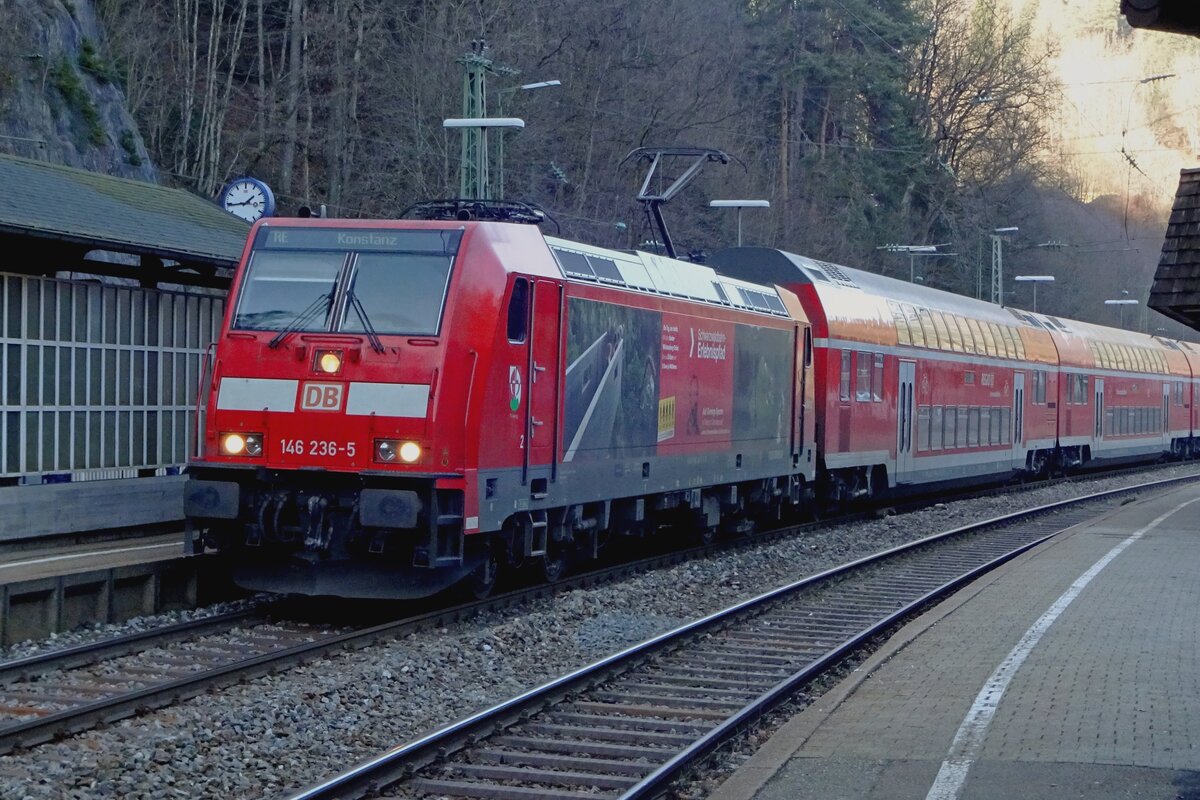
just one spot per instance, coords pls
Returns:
(60, 99)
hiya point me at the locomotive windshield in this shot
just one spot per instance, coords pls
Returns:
(347, 280)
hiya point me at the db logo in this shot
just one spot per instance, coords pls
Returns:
(321, 397)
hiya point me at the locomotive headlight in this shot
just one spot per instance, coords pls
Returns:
(242, 444)
(389, 451)
(329, 361)
(386, 450)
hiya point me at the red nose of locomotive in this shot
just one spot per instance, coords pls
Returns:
(321, 459)
(324, 402)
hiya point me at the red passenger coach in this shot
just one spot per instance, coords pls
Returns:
(395, 406)
(1122, 393)
(919, 386)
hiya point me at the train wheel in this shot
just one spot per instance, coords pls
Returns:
(482, 581)
(554, 564)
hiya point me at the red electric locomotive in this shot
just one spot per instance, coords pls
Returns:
(396, 406)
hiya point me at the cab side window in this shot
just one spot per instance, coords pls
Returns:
(518, 311)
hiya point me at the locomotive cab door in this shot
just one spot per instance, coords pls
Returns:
(905, 421)
(541, 383)
(1018, 421)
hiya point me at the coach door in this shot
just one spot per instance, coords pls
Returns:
(1166, 415)
(541, 377)
(1098, 422)
(905, 422)
(1018, 416)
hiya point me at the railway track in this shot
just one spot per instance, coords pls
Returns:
(67, 691)
(630, 724)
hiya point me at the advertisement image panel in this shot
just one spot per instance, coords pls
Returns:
(763, 377)
(696, 403)
(612, 379)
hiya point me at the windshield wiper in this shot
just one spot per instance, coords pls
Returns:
(368, 328)
(302, 319)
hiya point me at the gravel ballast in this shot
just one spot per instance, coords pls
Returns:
(284, 731)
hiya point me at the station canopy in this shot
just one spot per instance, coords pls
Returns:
(60, 219)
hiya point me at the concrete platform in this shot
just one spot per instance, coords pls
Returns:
(54, 509)
(1073, 671)
(50, 560)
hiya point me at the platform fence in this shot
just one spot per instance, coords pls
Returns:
(100, 380)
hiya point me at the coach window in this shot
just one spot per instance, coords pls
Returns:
(518, 311)
(950, 436)
(1010, 345)
(935, 429)
(862, 384)
(989, 340)
(1039, 386)
(931, 337)
(965, 331)
(877, 379)
(960, 438)
(923, 428)
(844, 386)
(956, 342)
(914, 326)
(977, 335)
(903, 335)
(1178, 393)
(943, 333)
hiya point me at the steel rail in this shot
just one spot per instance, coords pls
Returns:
(401, 762)
(88, 653)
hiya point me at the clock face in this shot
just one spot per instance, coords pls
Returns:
(248, 198)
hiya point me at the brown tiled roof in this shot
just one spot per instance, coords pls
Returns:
(1176, 288)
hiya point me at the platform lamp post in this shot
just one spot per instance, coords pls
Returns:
(525, 87)
(475, 182)
(1035, 280)
(1122, 303)
(740, 205)
(998, 235)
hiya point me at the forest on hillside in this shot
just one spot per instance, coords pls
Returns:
(863, 122)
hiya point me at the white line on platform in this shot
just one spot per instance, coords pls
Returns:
(90, 554)
(968, 742)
